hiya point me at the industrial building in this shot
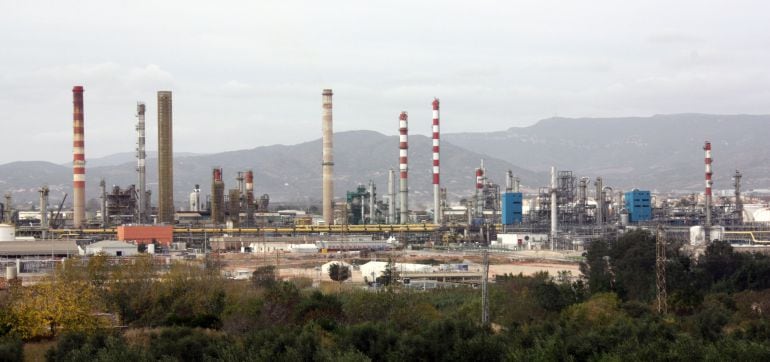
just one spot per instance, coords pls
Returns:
(110, 248)
(638, 206)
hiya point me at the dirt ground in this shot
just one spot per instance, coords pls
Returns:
(308, 265)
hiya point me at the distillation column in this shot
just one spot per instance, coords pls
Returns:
(554, 208)
(217, 197)
(78, 159)
(436, 183)
(582, 197)
(328, 161)
(403, 166)
(140, 165)
(599, 202)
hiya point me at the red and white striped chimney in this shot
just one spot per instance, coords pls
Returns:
(480, 190)
(436, 171)
(249, 181)
(403, 146)
(78, 159)
(709, 183)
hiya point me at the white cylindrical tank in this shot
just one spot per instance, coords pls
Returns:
(624, 217)
(10, 272)
(7, 232)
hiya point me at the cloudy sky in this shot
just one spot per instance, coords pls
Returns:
(250, 73)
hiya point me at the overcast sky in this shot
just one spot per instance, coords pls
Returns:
(246, 74)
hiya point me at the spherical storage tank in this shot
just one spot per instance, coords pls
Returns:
(7, 232)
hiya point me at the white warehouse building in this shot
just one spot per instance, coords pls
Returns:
(110, 248)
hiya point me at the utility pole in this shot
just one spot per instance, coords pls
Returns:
(484, 289)
(660, 270)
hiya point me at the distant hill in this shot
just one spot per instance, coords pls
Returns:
(125, 157)
(661, 152)
(286, 173)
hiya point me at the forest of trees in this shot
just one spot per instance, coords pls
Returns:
(718, 310)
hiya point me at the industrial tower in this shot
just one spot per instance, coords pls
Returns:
(707, 193)
(165, 159)
(328, 160)
(403, 145)
(140, 165)
(436, 170)
(78, 159)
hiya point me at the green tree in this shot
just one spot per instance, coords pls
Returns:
(50, 306)
(264, 276)
(339, 273)
(390, 274)
(626, 267)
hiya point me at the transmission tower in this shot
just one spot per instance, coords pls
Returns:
(660, 270)
(484, 289)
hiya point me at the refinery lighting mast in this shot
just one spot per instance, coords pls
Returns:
(436, 170)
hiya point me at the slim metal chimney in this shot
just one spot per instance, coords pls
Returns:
(141, 172)
(328, 160)
(103, 204)
(249, 207)
(44, 211)
(372, 201)
(78, 159)
(436, 172)
(403, 145)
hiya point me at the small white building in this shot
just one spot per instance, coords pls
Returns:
(269, 247)
(698, 234)
(520, 241)
(111, 248)
(303, 248)
(374, 269)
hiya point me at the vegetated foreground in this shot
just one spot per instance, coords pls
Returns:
(718, 309)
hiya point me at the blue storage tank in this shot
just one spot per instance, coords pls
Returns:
(512, 208)
(638, 205)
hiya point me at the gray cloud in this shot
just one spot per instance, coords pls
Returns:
(246, 74)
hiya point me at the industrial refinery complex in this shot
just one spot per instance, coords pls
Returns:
(565, 215)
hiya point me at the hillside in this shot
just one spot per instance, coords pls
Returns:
(287, 173)
(661, 152)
